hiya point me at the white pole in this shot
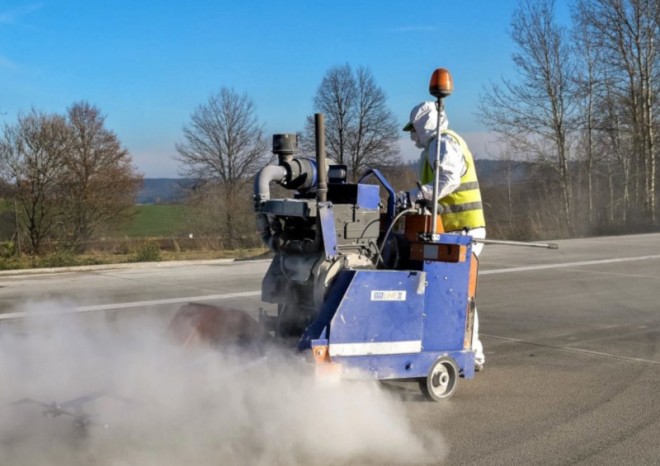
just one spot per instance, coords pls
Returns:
(439, 152)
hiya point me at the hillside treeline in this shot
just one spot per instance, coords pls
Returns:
(583, 108)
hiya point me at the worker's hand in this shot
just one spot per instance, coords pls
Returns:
(421, 193)
(424, 205)
(402, 200)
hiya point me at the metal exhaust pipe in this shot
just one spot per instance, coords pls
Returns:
(319, 128)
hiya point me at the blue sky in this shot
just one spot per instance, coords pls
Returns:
(148, 64)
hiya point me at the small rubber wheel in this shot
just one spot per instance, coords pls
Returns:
(441, 382)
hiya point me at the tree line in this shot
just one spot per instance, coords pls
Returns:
(69, 177)
(580, 116)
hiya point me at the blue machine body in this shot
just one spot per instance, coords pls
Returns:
(378, 306)
(394, 324)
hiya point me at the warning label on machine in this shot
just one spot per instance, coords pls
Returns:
(388, 295)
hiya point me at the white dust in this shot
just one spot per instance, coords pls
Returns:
(153, 403)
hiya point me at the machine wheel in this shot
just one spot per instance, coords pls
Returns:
(441, 382)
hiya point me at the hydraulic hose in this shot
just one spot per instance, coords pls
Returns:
(389, 231)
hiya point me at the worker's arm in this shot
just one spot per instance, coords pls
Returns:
(452, 166)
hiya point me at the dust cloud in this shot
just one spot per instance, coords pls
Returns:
(133, 398)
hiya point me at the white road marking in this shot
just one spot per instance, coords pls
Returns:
(246, 294)
(155, 302)
(571, 349)
(567, 265)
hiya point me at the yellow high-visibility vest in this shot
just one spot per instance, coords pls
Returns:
(462, 208)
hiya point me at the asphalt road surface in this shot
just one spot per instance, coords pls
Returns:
(571, 338)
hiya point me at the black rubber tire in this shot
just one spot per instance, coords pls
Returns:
(442, 380)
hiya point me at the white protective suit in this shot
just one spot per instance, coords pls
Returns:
(424, 121)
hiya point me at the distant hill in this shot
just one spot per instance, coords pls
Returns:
(491, 172)
(161, 190)
(495, 172)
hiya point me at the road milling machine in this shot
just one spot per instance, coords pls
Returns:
(365, 288)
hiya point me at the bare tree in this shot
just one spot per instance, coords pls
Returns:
(361, 131)
(589, 79)
(376, 132)
(32, 154)
(626, 32)
(206, 217)
(100, 182)
(335, 98)
(534, 111)
(616, 140)
(224, 145)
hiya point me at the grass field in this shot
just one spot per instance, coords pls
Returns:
(154, 233)
(162, 220)
(158, 220)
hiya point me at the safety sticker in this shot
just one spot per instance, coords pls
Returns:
(388, 295)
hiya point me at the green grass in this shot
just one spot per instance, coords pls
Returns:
(161, 220)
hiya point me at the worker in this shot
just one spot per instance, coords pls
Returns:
(459, 198)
